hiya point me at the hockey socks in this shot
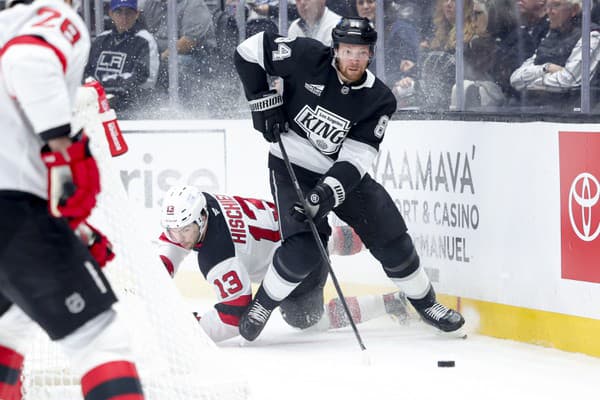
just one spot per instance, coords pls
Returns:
(365, 308)
(11, 364)
(111, 381)
(337, 315)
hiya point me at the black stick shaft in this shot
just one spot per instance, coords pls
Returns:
(320, 245)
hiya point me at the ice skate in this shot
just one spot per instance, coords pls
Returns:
(254, 320)
(443, 318)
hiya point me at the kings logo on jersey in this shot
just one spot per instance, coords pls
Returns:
(325, 130)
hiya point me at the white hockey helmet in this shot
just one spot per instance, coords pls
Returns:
(183, 205)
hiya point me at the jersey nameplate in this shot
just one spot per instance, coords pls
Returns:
(324, 129)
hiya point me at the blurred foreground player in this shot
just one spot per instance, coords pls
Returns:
(49, 181)
(234, 239)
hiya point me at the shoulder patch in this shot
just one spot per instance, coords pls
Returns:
(381, 126)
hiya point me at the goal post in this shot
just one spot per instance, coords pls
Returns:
(175, 359)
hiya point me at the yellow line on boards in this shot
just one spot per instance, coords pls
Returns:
(560, 331)
(544, 328)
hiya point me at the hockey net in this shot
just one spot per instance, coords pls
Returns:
(175, 359)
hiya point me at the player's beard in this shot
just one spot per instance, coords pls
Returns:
(350, 73)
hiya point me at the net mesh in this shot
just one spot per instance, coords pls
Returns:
(175, 359)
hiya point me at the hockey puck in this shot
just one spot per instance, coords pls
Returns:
(446, 363)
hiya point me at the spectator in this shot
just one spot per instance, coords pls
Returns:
(437, 65)
(552, 74)
(195, 43)
(316, 21)
(124, 59)
(518, 26)
(225, 81)
(479, 60)
(341, 7)
(227, 31)
(270, 9)
(401, 46)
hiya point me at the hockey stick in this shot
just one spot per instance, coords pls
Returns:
(317, 238)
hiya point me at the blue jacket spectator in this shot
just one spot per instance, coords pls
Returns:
(124, 59)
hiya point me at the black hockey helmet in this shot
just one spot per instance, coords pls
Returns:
(354, 30)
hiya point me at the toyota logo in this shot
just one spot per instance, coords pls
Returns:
(586, 198)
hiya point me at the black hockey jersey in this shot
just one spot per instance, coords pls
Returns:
(125, 63)
(329, 120)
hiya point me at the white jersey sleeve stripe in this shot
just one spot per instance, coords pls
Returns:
(360, 155)
(36, 41)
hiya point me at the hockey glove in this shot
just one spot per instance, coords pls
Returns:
(99, 246)
(268, 115)
(73, 181)
(319, 202)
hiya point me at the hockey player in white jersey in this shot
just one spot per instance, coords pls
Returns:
(49, 181)
(234, 239)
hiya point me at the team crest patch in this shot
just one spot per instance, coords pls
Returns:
(324, 129)
(170, 210)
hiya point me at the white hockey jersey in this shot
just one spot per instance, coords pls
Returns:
(43, 52)
(238, 247)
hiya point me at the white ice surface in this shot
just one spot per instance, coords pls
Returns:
(401, 363)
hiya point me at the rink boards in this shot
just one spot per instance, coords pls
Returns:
(505, 216)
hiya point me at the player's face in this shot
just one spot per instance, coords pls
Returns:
(124, 18)
(186, 236)
(353, 60)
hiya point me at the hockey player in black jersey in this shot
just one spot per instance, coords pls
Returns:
(331, 118)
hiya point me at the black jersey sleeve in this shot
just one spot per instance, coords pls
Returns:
(217, 245)
(272, 54)
(371, 130)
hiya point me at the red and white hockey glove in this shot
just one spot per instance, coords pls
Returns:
(112, 130)
(98, 244)
(73, 181)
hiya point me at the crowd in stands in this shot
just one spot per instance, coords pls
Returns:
(517, 54)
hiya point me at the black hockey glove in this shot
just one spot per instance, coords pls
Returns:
(319, 201)
(268, 115)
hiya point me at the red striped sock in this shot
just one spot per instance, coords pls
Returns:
(337, 314)
(11, 364)
(116, 380)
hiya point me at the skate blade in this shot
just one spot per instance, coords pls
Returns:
(460, 333)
